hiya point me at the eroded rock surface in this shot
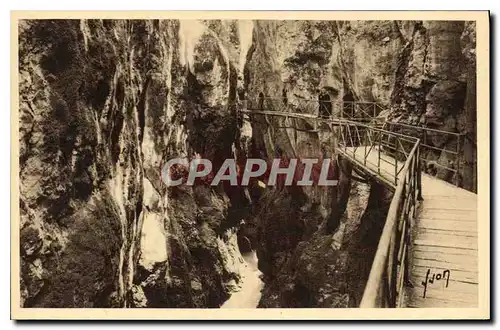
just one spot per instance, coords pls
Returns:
(103, 104)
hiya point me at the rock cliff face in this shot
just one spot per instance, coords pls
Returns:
(103, 104)
(436, 69)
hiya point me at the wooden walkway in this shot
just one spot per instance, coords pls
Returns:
(444, 239)
(442, 252)
(388, 166)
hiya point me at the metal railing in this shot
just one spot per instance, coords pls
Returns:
(285, 104)
(357, 110)
(366, 146)
(353, 110)
(290, 119)
(426, 135)
(389, 272)
(370, 147)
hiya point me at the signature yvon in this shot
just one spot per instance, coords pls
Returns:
(435, 277)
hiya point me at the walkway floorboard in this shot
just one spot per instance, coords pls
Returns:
(444, 238)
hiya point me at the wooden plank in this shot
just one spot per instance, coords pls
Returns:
(444, 294)
(444, 217)
(456, 275)
(449, 214)
(433, 240)
(435, 194)
(439, 303)
(445, 234)
(444, 264)
(451, 259)
(467, 226)
(450, 251)
(468, 213)
(456, 204)
(435, 187)
(440, 286)
(457, 241)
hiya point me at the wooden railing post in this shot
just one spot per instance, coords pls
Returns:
(379, 147)
(457, 173)
(419, 174)
(365, 143)
(415, 178)
(396, 163)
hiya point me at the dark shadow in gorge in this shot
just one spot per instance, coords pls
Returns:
(363, 243)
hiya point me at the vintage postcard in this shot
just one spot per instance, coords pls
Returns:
(250, 165)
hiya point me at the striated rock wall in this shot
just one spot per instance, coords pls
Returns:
(102, 105)
(437, 67)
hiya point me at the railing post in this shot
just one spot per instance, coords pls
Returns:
(345, 138)
(365, 143)
(414, 178)
(457, 174)
(379, 147)
(419, 175)
(396, 163)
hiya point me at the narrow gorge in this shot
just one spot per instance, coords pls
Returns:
(105, 103)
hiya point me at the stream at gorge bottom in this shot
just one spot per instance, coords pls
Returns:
(248, 292)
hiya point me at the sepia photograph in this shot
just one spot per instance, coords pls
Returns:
(250, 162)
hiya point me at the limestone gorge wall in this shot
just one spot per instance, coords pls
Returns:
(104, 103)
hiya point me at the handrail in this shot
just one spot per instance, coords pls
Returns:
(332, 120)
(368, 147)
(356, 123)
(280, 114)
(388, 274)
(371, 296)
(422, 133)
(321, 107)
(423, 128)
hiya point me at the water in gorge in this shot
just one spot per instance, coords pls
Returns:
(248, 292)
